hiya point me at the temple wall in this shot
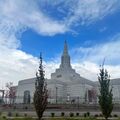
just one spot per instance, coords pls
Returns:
(22, 88)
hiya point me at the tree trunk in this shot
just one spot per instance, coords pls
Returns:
(106, 118)
(40, 118)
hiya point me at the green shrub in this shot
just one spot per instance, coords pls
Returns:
(110, 116)
(115, 115)
(71, 114)
(9, 114)
(88, 114)
(85, 115)
(77, 114)
(96, 115)
(4, 117)
(25, 115)
(16, 114)
(62, 114)
(101, 115)
(26, 107)
(52, 114)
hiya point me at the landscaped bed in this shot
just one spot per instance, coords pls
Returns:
(71, 116)
(57, 118)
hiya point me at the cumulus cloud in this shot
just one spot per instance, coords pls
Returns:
(27, 13)
(17, 65)
(16, 16)
(92, 57)
(90, 70)
(108, 50)
(84, 71)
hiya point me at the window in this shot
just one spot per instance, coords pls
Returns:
(26, 98)
(58, 76)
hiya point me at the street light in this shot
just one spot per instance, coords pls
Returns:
(56, 94)
(78, 101)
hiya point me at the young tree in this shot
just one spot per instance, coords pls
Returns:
(106, 96)
(41, 92)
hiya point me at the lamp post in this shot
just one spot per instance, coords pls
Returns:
(56, 94)
(78, 101)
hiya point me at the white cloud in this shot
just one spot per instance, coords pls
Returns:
(27, 13)
(84, 71)
(90, 70)
(16, 65)
(96, 53)
(18, 15)
(87, 11)
(91, 58)
(31, 14)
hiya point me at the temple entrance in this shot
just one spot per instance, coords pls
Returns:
(26, 99)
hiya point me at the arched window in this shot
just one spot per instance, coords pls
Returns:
(26, 98)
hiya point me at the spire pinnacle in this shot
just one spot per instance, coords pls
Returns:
(65, 51)
(65, 58)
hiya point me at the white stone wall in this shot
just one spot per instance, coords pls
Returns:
(116, 93)
(56, 90)
(71, 89)
(62, 90)
(24, 87)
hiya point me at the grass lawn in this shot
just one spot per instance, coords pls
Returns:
(56, 118)
(17, 116)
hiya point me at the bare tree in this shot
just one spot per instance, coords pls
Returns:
(11, 92)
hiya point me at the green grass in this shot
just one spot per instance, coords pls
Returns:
(56, 118)
(28, 118)
(72, 119)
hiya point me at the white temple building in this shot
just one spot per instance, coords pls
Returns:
(65, 86)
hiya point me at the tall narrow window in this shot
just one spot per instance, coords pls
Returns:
(26, 98)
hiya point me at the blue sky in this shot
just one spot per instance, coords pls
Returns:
(91, 28)
(88, 35)
(97, 32)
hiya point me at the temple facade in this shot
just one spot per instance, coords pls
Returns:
(65, 86)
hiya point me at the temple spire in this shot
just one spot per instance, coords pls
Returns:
(65, 51)
(65, 59)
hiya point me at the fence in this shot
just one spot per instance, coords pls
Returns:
(52, 100)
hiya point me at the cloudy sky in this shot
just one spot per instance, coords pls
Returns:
(28, 27)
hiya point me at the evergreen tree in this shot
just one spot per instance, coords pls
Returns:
(41, 92)
(106, 96)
